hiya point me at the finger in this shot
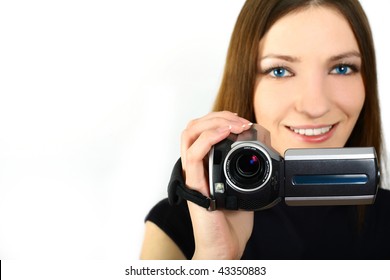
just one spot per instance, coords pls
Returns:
(190, 136)
(209, 122)
(212, 117)
(195, 128)
(194, 167)
(224, 114)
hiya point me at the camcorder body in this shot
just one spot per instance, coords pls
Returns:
(246, 173)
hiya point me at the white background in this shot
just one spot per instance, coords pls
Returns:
(93, 98)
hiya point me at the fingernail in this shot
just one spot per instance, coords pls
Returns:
(248, 124)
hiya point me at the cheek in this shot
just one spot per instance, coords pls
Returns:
(268, 105)
(351, 99)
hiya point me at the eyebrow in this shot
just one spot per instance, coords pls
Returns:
(345, 55)
(280, 56)
(296, 59)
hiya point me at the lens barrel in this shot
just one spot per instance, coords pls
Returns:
(247, 167)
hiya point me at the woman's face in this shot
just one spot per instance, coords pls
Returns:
(309, 88)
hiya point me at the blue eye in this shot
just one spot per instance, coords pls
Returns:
(344, 69)
(278, 72)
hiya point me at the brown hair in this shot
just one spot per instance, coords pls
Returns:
(236, 92)
(256, 17)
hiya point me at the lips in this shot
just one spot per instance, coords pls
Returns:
(311, 131)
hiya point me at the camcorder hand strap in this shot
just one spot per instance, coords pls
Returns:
(177, 190)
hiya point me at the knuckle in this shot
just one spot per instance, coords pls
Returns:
(184, 134)
(191, 157)
(207, 138)
(192, 123)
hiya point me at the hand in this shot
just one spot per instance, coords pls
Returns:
(220, 234)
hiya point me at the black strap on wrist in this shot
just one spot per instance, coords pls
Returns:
(177, 190)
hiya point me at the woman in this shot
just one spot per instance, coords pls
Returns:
(304, 70)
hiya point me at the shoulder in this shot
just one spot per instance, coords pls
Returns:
(175, 222)
(157, 245)
(381, 207)
(163, 211)
(378, 215)
(383, 198)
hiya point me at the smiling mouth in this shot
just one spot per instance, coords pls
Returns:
(312, 131)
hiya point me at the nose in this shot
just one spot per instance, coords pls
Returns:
(313, 97)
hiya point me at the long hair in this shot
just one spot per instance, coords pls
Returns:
(236, 92)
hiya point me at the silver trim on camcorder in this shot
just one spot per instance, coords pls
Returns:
(303, 177)
(228, 160)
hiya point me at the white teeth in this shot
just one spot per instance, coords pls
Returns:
(312, 131)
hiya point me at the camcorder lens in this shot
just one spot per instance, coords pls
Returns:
(248, 165)
(247, 168)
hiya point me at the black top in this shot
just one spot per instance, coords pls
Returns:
(287, 232)
(300, 232)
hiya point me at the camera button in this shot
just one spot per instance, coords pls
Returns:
(219, 187)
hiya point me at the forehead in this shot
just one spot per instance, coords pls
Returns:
(310, 30)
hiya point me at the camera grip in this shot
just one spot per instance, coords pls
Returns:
(177, 190)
